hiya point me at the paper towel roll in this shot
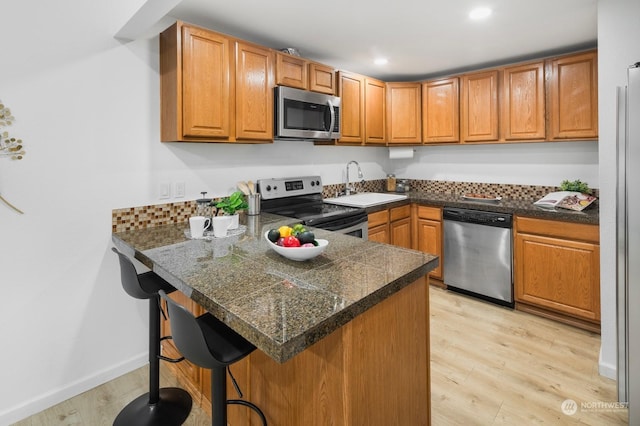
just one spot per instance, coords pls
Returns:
(398, 153)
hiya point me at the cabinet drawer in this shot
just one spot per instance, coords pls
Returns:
(378, 218)
(554, 228)
(433, 213)
(401, 212)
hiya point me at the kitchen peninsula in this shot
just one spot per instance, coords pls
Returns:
(342, 339)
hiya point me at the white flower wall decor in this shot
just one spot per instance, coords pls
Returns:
(10, 147)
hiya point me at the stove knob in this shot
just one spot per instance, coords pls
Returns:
(268, 188)
(275, 188)
(318, 182)
(313, 183)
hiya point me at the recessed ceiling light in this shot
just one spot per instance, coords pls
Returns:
(480, 13)
(380, 61)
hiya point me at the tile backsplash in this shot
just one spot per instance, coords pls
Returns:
(132, 218)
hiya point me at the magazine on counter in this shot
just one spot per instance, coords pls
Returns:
(566, 199)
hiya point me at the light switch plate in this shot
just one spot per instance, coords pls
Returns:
(164, 190)
(180, 189)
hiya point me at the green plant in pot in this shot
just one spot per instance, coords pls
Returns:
(576, 185)
(231, 205)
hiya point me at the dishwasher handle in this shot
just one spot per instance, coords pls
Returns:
(479, 217)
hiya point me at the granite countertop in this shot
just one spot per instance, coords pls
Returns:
(590, 215)
(279, 305)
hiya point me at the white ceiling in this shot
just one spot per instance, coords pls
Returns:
(420, 38)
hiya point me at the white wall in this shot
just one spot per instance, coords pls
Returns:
(618, 47)
(87, 110)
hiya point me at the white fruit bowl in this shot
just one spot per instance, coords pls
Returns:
(298, 253)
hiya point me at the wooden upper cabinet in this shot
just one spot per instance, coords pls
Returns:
(375, 106)
(294, 71)
(254, 92)
(322, 78)
(291, 71)
(480, 107)
(195, 84)
(523, 102)
(573, 82)
(404, 118)
(214, 88)
(440, 111)
(351, 92)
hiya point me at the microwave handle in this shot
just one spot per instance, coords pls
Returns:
(333, 118)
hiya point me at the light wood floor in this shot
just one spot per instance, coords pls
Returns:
(489, 366)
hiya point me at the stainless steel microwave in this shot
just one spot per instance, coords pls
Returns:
(300, 114)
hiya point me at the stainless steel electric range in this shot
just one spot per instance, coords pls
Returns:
(301, 198)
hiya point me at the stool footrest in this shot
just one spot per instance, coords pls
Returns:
(251, 405)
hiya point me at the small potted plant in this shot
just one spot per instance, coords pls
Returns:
(231, 205)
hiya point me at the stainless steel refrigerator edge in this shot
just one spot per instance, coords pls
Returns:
(628, 244)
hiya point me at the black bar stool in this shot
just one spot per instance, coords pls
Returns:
(209, 343)
(166, 406)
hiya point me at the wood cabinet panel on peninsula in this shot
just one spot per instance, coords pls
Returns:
(214, 88)
(557, 270)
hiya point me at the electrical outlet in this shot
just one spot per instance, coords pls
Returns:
(164, 190)
(180, 189)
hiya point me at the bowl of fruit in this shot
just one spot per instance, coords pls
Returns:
(295, 243)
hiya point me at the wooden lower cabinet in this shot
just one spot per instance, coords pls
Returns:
(379, 226)
(428, 236)
(374, 370)
(391, 226)
(557, 270)
(400, 226)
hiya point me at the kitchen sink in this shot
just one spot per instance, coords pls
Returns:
(365, 199)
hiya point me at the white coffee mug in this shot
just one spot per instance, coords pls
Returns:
(197, 225)
(220, 226)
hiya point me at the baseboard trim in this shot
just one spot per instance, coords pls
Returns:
(606, 369)
(57, 396)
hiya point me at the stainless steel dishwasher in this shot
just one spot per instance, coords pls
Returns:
(477, 257)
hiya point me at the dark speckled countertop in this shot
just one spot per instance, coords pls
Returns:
(590, 215)
(279, 305)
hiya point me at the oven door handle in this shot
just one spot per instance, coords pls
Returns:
(362, 223)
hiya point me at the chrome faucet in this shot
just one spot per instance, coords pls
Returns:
(348, 188)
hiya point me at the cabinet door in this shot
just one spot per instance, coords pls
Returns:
(404, 113)
(322, 79)
(440, 111)
(523, 107)
(574, 96)
(557, 267)
(480, 107)
(400, 233)
(379, 226)
(205, 84)
(430, 241)
(291, 71)
(375, 98)
(254, 92)
(351, 91)
(400, 226)
(558, 274)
